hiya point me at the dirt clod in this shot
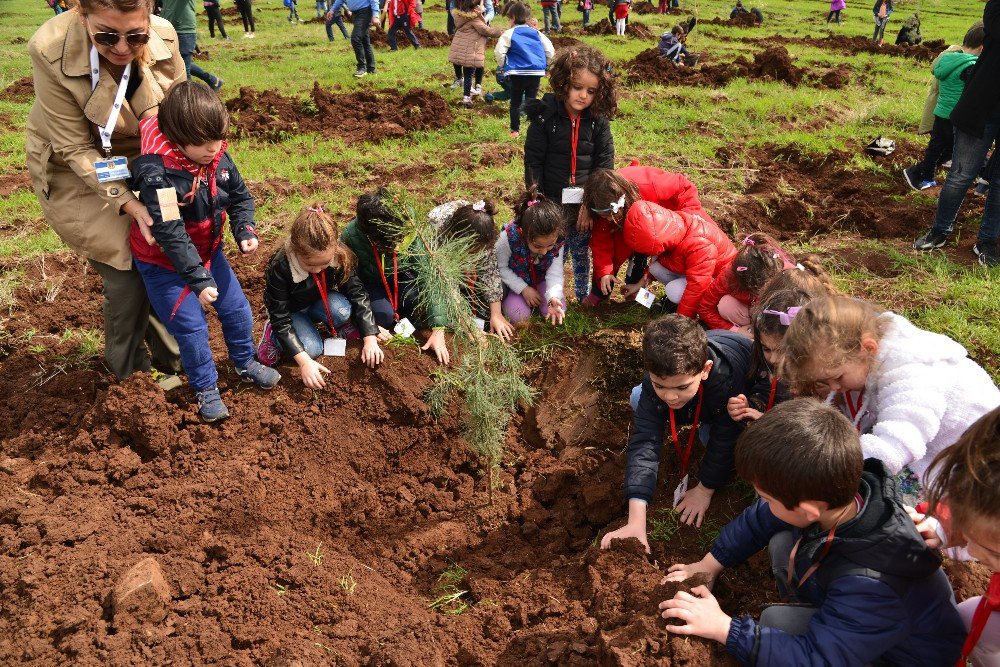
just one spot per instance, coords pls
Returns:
(426, 38)
(22, 90)
(142, 593)
(634, 29)
(772, 64)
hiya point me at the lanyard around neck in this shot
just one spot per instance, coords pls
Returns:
(855, 410)
(685, 455)
(393, 296)
(320, 279)
(574, 139)
(95, 74)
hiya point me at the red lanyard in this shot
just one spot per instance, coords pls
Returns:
(826, 549)
(394, 295)
(531, 269)
(320, 279)
(685, 456)
(574, 138)
(855, 409)
(774, 390)
(988, 604)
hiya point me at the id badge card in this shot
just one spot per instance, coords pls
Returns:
(572, 195)
(404, 328)
(334, 347)
(681, 489)
(481, 324)
(645, 297)
(113, 169)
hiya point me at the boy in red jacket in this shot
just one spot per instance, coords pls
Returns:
(402, 15)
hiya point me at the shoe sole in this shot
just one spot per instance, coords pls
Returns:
(213, 421)
(906, 177)
(928, 248)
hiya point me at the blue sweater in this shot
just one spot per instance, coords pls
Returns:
(525, 53)
(355, 5)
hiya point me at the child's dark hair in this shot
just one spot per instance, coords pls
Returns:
(581, 57)
(966, 476)
(191, 114)
(315, 231)
(759, 259)
(518, 12)
(677, 30)
(466, 5)
(764, 322)
(536, 216)
(802, 450)
(975, 37)
(473, 222)
(605, 186)
(674, 345)
(378, 219)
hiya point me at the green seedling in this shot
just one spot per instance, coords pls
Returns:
(449, 595)
(348, 583)
(316, 556)
(281, 589)
(663, 525)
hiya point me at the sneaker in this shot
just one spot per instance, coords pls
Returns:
(910, 176)
(210, 406)
(989, 257)
(261, 375)
(488, 97)
(930, 241)
(477, 91)
(360, 72)
(927, 184)
(219, 83)
(268, 353)
(467, 101)
(371, 71)
(457, 83)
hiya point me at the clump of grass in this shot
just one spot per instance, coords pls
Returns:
(316, 556)
(348, 583)
(663, 524)
(449, 594)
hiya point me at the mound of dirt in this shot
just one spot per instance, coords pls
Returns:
(634, 29)
(427, 38)
(837, 77)
(563, 41)
(773, 64)
(371, 115)
(644, 8)
(926, 51)
(22, 90)
(741, 20)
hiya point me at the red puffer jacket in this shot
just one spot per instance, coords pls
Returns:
(669, 190)
(688, 243)
(725, 283)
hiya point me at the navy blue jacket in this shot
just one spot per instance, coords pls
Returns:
(730, 356)
(881, 592)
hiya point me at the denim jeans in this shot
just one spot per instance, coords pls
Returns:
(189, 325)
(335, 20)
(577, 250)
(967, 160)
(551, 17)
(382, 308)
(522, 89)
(304, 322)
(187, 42)
(401, 23)
(361, 41)
(880, 25)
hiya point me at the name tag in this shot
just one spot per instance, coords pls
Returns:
(112, 169)
(166, 198)
(572, 195)
(681, 489)
(404, 328)
(645, 297)
(481, 323)
(334, 347)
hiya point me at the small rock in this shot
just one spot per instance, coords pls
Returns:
(142, 593)
(10, 466)
(588, 626)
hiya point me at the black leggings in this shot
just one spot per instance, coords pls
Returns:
(835, 14)
(246, 13)
(214, 16)
(522, 88)
(467, 75)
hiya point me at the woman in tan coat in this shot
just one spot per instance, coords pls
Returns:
(91, 209)
(468, 45)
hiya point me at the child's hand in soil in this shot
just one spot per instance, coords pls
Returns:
(371, 354)
(247, 246)
(625, 532)
(531, 297)
(312, 373)
(436, 343)
(681, 572)
(607, 284)
(208, 296)
(384, 335)
(501, 327)
(739, 409)
(556, 313)
(691, 509)
(701, 615)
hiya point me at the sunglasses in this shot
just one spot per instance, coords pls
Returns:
(112, 38)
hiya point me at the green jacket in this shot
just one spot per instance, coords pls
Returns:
(949, 72)
(181, 14)
(368, 271)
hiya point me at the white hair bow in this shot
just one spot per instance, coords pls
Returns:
(616, 206)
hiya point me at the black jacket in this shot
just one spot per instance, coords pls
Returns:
(980, 101)
(547, 152)
(730, 354)
(283, 296)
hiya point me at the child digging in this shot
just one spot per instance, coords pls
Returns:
(865, 588)
(190, 186)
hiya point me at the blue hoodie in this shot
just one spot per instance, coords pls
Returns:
(523, 51)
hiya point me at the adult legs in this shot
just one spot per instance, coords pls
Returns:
(187, 42)
(408, 31)
(246, 13)
(361, 41)
(215, 16)
(967, 159)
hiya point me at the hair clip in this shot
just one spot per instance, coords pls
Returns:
(616, 206)
(800, 267)
(785, 318)
(531, 203)
(316, 209)
(479, 206)
(749, 241)
(741, 269)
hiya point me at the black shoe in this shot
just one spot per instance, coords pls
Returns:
(988, 257)
(930, 241)
(912, 178)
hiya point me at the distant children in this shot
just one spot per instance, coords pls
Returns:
(523, 53)
(836, 6)
(468, 46)
(482, 286)
(374, 236)
(621, 16)
(245, 7)
(949, 71)
(529, 253)
(569, 137)
(862, 585)
(215, 18)
(402, 16)
(882, 11)
(690, 378)
(311, 280)
(921, 388)
(550, 15)
(909, 32)
(190, 186)
(335, 18)
(585, 7)
(965, 492)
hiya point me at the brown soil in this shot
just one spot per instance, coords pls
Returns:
(428, 38)
(742, 20)
(370, 115)
(644, 8)
(22, 90)
(357, 475)
(19, 180)
(562, 41)
(634, 29)
(926, 51)
(202, 55)
(20, 39)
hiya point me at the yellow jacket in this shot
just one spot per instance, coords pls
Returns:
(62, 143)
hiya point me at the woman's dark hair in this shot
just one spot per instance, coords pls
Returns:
(607, 185)
(476, 225)
(191, 114)
(581, 57)
(537, 216)
(378, 219)
(518, 12)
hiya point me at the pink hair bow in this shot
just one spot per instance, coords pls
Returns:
(532, 203)
(785, 318)
(479, 206)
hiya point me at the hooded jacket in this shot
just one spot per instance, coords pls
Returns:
(981, 99)
(468, 44)
(289, 289)
(949, 70)
(669, 190)
(730, 356)
(880, 591)
(669, 46)
(524, 51)
(923, 392)
(687, 243)
(547, 152)
(206, 197)
(933, 92)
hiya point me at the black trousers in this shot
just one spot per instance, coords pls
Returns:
(522, 88)
(467, 75)
(938, 148)
(246, 13)
(361, 40)
(215, 16)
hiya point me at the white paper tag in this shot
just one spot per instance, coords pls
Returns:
(572, 195)
(681, 489)
(166, 198)
(481, 323)
(645, 297)
(334, 347)
(404, 328)
(113, 169)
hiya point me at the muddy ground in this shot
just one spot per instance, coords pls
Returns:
(22, 90)
(634, 29)
(848, 46)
